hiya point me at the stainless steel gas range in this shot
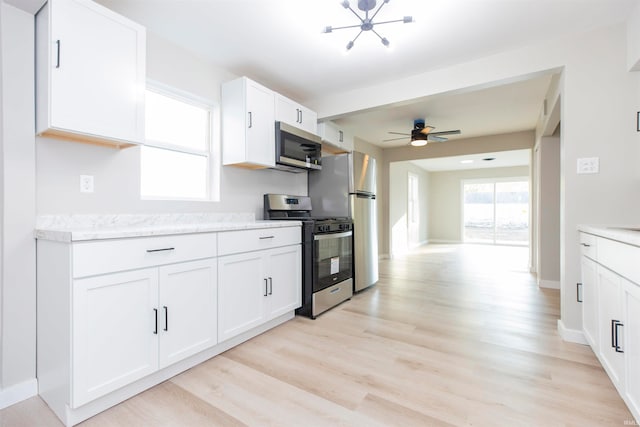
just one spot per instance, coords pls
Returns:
(327, 252)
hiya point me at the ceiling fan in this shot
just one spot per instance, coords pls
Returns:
(421, 134)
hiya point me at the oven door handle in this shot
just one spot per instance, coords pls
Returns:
(332, 235)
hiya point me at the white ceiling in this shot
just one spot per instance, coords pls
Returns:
(280, 44)
(501, 159)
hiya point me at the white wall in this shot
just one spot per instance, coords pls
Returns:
(633, 40)
(548, 259)
(117, 172)
(17, 245)
(398, 206)
(445, 199)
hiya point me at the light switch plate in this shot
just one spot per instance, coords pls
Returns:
(589, 165)
(86, 183)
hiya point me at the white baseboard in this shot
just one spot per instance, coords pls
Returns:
(18, 393)
(444, 241)
(549, 284)
(571, 335)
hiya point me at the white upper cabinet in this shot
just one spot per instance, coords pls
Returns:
(335, 140)
(248, 124)
(90, 74)
(297, 115)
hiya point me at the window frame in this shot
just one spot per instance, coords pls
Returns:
(212, 152)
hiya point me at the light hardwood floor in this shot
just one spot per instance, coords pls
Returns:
(451, 335)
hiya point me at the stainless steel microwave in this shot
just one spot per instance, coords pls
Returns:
(297, 150)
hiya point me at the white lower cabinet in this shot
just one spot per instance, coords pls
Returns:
(256, 287)
(117, 316)
(187, 309)
(611, 320)
(113, 342)
(631, 308)
(611, 312)
(589, 298)
(127, 325)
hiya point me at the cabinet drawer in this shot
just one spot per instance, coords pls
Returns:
(588, 245)
(231, 242)
(620, 257)
(106, 256)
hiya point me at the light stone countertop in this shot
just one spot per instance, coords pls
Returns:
(72, 228)
(619, 233)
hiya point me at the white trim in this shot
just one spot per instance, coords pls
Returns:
(455, 242)
(549, 284)
(571, 335)
(18, 393)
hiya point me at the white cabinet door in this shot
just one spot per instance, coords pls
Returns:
(590, 302)
(260, 125)
(187, 309)
(285, 280)
(248, 124)
(335, 140)
(610, 316)
(91, 73)
(242, 290)
(631, 302)
(114, 332)
(297, 115)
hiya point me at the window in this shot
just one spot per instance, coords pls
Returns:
(176, 160)
(496, 211)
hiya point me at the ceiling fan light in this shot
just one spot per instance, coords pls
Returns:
(349, 45)
(345, 4)
(418, 142)
(385, 41)
(407, 19)
(328, 29)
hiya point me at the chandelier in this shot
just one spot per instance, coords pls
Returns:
(366, 22)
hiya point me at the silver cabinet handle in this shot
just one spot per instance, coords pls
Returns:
(250, 120)
(161, 250)
(266, 237)
(585, 245)
(57, 53)
(270, 286)
(333, 291)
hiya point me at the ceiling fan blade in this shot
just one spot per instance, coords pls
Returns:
(399, 133)
(447, 132)
(427, 130)
(435, 138)
(395, 139)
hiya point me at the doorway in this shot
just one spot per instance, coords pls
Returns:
(496, 211)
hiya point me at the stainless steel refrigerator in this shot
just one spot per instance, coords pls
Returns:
(346, 186)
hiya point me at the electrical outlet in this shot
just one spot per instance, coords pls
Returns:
(589, 165)
(86, 183)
